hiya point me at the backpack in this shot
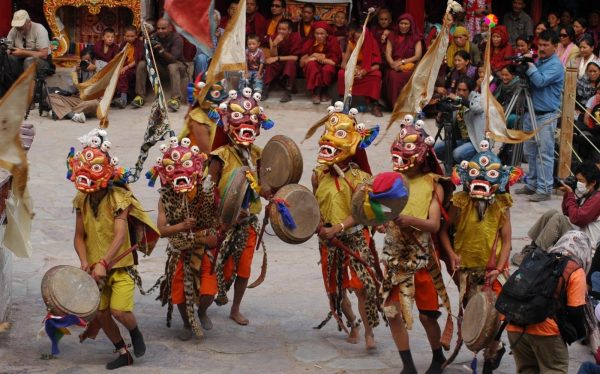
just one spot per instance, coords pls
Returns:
(537, 290)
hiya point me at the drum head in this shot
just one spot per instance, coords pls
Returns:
(304, 209)
(480, 320)
(280, 163)
(70, 290)
(232, 198)
(391, 207)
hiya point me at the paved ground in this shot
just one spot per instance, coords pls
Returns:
(283, 310)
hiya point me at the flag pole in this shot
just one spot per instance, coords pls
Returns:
(159, 91)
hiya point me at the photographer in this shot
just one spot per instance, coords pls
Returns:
(167, 46)
(29, 44)
(580, 211)
(546, 78)
(469, 127)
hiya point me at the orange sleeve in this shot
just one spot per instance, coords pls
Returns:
(577, 288)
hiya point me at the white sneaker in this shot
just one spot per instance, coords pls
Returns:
(78, 117)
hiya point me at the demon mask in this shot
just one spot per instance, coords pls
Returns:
(179, 165)
(93, 169)
(411, 147)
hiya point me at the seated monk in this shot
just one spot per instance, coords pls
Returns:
(281, 66)
(367, 75)
(321, 54)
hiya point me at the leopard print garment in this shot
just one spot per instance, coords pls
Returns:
(403, 257)
(233, 245)
(337, 262)
(186, 247)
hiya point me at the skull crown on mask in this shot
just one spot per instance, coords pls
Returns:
(242, 118)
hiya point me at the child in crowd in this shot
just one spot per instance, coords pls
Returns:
(105, 49)
(507, 86)
(341, 29)
(255, 60)
(522, 45)
(127, 73)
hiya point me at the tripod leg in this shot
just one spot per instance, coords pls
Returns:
(536, 169)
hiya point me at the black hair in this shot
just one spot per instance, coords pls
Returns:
(549, 36)
(87, 51)
(355, 26)
(130, 28)
(311, 6)
(569, 30)
(283, 3)
(463, 54)
(582, 21)
(108, 30)
(523, 38)
(512, 69)
(588, 39)
(468, 81)
(287, 22)
(590, 171)
(253, 37)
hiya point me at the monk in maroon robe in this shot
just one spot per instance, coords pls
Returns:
(403, 52)
(367, 75)
(382, 29)
(256, 23)
(320, 56)
(304, 26)
(285, 49)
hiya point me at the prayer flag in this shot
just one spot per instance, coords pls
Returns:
(194, 20)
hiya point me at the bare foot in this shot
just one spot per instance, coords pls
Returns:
(354, 336)
(205, 322)
(370, 342)
(239, 318)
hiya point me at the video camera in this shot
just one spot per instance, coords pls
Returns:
(154, 41)
(520, 61)
(570, 181)
(447, 104)
(5, 44)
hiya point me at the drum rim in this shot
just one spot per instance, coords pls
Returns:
(49, 296)
(278, 227)
(295, 154)
(227, 201)
(486, 332)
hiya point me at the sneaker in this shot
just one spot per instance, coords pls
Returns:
(286, 97)
(124, 359)
(174, 104)
(78, 117)
(537, 197)
(120, 102)
(524, 191)
(138, 102)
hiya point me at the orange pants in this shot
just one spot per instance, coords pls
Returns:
(426, 296)
(349, 277)
(208, 281)
(245, 263)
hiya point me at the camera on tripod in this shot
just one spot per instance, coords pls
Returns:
(448, 104)
(520, 62)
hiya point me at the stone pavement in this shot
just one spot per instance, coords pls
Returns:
(282, 311)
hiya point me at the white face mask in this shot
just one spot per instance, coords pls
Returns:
(581, 188)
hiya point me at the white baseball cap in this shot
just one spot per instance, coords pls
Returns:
(19, 18)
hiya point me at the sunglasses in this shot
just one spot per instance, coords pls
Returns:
(563, 35)
(275, 5)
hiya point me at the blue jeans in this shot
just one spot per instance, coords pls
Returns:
(589, 368)
(540, 153)
(254, 81)
(464, 150)
(595, 278)
(201, 62)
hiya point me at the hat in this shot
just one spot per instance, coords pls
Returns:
(19, 18)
